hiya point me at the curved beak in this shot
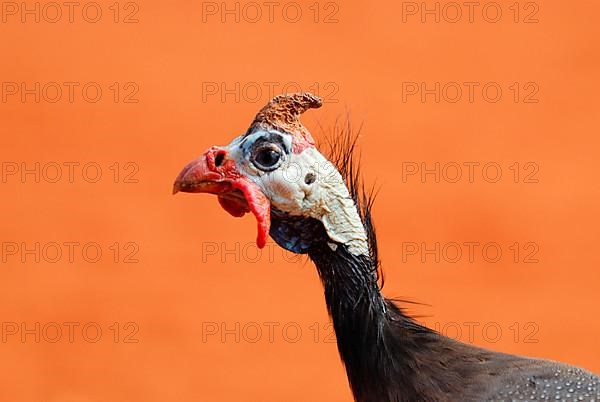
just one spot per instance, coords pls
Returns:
(197, 177)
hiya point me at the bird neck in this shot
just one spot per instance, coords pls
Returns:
(360, 319)
(349, 280)
(388, 356)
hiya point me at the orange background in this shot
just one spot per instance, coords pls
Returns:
(177, 289)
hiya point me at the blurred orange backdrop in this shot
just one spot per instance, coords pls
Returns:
(480, 128)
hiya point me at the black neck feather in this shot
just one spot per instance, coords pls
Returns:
(388, 356)
(359, 316)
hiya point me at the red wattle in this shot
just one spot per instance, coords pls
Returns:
(259, 206)
(233, 207)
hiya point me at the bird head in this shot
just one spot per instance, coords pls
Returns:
(275, 172)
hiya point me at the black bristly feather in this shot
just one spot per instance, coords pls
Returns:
(379, 344)
(339, 144)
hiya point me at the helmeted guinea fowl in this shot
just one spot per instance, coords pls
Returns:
(309, 206)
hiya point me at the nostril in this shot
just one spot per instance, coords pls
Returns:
(219, 158)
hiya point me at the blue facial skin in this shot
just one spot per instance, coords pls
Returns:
(298, 234)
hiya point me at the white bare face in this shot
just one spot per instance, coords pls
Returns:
(300, 184)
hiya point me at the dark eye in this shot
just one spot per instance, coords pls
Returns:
(267, 158)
